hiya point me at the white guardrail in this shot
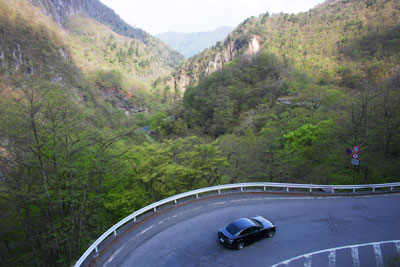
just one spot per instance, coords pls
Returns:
(287, 187)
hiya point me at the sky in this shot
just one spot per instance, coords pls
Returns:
(159, 16)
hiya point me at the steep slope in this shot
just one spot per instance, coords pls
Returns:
(61, 11)
(82, 54)
(190, 44)
(95, 46)
(285, 95)
(211, 60)
(33, 46)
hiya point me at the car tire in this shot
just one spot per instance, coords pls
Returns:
(271, 233)
(240, 245)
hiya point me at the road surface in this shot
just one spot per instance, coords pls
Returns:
(311, 231)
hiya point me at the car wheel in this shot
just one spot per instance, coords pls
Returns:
(271, 233)
(240, 245)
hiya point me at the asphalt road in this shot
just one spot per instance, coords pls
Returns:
(186, 235)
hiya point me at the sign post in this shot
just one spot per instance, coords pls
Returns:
(355, 159)
(355, 156)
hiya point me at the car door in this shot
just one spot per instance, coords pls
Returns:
(254, 233)
(249, 234)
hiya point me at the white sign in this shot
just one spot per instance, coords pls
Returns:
(355, 162)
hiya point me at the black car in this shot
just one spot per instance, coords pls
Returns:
(246, 230)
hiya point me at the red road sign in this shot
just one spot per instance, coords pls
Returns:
(355, 156)
(356, 149)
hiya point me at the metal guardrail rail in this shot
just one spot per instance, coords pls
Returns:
(241, 186)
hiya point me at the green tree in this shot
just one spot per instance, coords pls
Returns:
(54, 168)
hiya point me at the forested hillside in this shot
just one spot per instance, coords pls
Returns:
(330, 41)
(72, 94)
(92, 128)
(322, 81)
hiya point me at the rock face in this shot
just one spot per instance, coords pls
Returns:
(37, 49)
(61, 10)
(199, 66)
(121, 100)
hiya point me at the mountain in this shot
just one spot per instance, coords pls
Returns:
(75, 82)
(61, 11)
(189, 44)
(78, 44)
(321, 40)
(285, 94)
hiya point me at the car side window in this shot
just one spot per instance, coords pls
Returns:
(245, 232)
(249, 231)
(253, 229)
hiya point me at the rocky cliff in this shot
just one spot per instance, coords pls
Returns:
(31, 44)
(212, 60)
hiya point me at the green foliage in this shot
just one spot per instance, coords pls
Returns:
(217, 102)
(307, 135)
(320, 83)
(160, 123)
(109, 79)
(36, 49)
(159, 170)
(95, 46)
(55, 164)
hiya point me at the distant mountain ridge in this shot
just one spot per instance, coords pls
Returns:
(190, 44)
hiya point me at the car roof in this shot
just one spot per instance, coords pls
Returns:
(243, 223)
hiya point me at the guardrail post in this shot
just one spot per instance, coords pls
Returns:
(241, 189)
(354, 190)
(391, 188)
(373, 189)
(155, 209)
(310, 190)
(115, 232)
(219, 191)
(265, 188)
(96, 249)
(197, 195)
(287, 189)
(176, 202)
(333, 191)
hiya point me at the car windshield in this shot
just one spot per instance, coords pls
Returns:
(233, 229)
(257, 223)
